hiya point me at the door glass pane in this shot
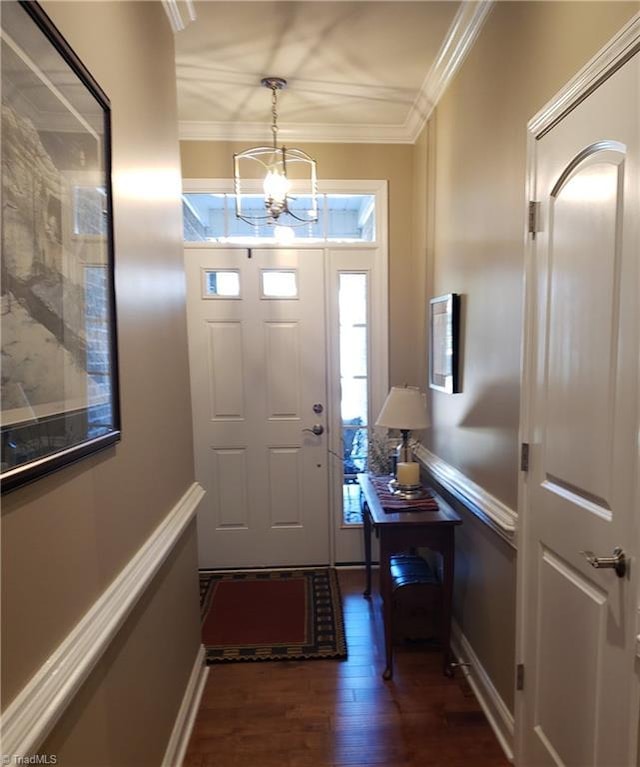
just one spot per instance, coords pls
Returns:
(252, 205)
(351, 217)
(353, 351)
(353, 299)
(354, 445)
(221, 284)
(203, 216)
(303, 208)
(211, 217)
(354, 384)
(277, 283)
(354, 399)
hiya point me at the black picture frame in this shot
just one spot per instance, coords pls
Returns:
(444, 331)
(60, 391)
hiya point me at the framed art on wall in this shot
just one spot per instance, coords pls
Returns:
(59, 393)
(444, 321)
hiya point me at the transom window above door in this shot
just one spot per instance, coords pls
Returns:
(210, 217)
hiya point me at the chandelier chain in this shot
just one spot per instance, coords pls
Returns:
(274, 115)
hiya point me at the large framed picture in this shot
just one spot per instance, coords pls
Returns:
(444, 322)
(59, 391)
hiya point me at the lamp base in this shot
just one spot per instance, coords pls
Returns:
(406, 492)
(404, 452)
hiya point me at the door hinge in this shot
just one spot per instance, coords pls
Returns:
(524, 456)
(520, 676)
(534, 217)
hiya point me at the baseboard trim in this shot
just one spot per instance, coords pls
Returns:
(495, 709)
(34, 711)
(492, 511)
(179, 740)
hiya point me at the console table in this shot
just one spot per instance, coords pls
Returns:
(401, 529)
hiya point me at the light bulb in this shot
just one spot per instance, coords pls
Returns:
(276, 186)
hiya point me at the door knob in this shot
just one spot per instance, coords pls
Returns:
(316, 429)
(617, 561)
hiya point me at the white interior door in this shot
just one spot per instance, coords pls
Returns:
(579, 636)
(258, 382)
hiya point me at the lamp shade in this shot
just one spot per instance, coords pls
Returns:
(404, 408)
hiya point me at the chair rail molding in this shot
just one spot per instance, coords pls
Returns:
(34, 711)
(495, 709)
(492, 511)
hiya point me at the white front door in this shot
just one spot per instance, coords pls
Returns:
(258, 383)
(580, 623)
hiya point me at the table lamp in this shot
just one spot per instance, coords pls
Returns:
(405, 409)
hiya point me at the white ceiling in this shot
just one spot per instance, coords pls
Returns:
(356, 70)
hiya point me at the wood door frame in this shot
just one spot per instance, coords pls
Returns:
(623, 46)
(379, 319)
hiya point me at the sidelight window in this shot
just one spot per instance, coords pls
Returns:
(354, 385)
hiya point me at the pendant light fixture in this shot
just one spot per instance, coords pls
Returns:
(275, 164)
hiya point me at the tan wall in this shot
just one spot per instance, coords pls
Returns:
(477, 159)
(66, 537)
(213, 159)
(525, 53)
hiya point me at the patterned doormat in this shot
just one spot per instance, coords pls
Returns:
(271, 615)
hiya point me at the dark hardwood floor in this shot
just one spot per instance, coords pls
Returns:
(336, 713)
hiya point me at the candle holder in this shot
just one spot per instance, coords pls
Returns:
(406, 492)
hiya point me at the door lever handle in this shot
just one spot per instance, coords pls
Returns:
(617, 561)
(316, 429)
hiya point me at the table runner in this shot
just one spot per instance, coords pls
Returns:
(393, 503)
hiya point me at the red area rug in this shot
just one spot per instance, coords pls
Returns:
(272, 615)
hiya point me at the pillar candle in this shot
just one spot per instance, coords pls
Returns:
(408, 473)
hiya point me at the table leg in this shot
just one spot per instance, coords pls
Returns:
(448, 564)
(386, 592)
(366, 526)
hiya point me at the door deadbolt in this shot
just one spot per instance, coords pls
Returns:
(317, 408)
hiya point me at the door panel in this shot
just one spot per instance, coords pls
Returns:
(583, 327)
(226, 378)
(580, 621)
(257, 368)
(576, 657)
(283, 370)
(230, 501)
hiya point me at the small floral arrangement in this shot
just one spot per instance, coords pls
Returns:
(382, 449)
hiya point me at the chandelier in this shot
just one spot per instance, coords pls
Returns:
(276, 163)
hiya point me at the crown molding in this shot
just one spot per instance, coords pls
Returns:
(462, 34)
(179, 18)
(459, 40)
(608, 60)
(192, 130)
